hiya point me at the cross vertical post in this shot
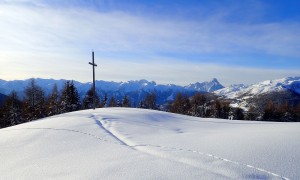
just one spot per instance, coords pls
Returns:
(94, 89)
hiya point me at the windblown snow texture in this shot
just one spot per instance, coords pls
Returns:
(126, 143)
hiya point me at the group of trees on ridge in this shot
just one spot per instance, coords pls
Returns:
(209, 105)
(35, 105)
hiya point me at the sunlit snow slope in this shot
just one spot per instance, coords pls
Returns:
(124, 143)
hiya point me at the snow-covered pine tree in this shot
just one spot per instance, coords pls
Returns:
(75, 99)
(34, 102)
(70, 100)
(87, 102)
(53, 102)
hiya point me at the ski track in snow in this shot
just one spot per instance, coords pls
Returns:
(139, 147)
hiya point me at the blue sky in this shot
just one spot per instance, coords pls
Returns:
(170, 41)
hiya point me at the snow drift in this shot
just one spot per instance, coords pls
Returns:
(125, 143)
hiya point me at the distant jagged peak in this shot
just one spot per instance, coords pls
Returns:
(214, 80)
(140, 83)
(206, 86)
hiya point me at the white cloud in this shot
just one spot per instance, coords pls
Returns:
(56, 42)
(165, 72)
(43, 28)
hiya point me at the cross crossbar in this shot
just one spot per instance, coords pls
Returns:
(93, 64)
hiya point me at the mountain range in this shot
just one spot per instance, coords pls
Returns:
(135, 90)
(278, 90)
(240, 95)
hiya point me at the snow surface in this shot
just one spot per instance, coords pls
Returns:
(231, 91)
(127, 143)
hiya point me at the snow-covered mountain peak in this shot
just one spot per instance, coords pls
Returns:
(215, 80)
(293, 84)
(136, 90)
(207, 86)
(275, 85)
(235, 91)
(231, 90)
(135, 85)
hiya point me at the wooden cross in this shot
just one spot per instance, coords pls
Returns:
(93, 64)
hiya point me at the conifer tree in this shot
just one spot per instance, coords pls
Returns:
(70, 100)
(239, 114)
(126, 102)
(104, 102)
(112, 102)
(141, 104)
(11, 111)
(88, 103)
(150, 101)
(118, 104)
(53, 102)
(34, 102)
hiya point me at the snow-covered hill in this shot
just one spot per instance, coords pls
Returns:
(257, 95)
(236, 91)
(231, 91)
(124, 143)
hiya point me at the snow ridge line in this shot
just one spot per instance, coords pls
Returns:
(70, 130)
(186, 150)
